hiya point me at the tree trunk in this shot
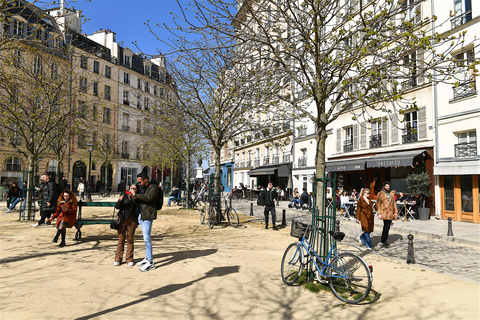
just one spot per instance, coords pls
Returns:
(30, 187)
(187, 193)
(320, 165)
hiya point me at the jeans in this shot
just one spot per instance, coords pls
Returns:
(295, 201)
(266, 212)
(146, 226)
(365, 237)
(170, 199)
(17, 200)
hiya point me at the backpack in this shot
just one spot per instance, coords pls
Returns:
(159, 199)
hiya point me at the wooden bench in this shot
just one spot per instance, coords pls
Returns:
(81, 222)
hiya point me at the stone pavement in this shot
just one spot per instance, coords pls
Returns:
(457, 255)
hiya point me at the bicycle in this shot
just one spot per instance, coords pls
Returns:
(106, 193)
(348, 275)
(214, 216)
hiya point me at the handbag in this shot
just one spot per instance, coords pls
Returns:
(115, 223)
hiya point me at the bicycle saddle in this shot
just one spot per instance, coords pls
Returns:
(337, 235)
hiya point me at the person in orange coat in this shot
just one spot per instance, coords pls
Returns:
(365, 216)
(66, 213)
(387, 210)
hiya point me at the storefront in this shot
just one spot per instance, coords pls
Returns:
(278, 174)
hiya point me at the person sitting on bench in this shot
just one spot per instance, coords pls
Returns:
(174, 194)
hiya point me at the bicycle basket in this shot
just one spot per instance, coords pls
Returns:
(299, 230)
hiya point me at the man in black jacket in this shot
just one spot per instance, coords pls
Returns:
(49, 204)
(268, 197)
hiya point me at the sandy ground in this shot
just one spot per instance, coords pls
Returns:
(224, 273)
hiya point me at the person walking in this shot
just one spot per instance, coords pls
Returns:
(147, 213)
(66, 213)
(365, 216)
(81, 189)
(49, 204)
(387, 210)
(128, 219)
(63, 183)
(267, 199)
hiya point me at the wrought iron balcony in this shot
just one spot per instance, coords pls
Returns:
(347, 146)
(257, 162)
(464, 89)
(410, 83)
(242, 164)
(302, 162)
(375, 141)
(236, 165)
(276, 159)
(125, 155)
(266, 160)
(125, 128)
(249, 163)
(461, 19)
(466, 150)
(302, 132)
(286, 158)
(409, 135)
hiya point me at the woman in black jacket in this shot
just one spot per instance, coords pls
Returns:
(128, 219)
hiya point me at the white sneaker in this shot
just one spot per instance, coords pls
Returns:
(148, 266)
(8, 211)
(34, 225)
(360, 241)
(143, 262)
(116, 263)
(131, 264)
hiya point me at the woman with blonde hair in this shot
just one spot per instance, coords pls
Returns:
(66, 213)
(365, 216)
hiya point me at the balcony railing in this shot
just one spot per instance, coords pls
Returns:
(125, 155)
(242, 164)
(410, 83)
(461, 19)
(236, 165)
(464, 89)
(466, 150)
(375, 141)
(276, 159)
(302, 162)
(14, 167)
(249, 164)
(125, 128)
(126, 102)
(257, 162)
(347, 146)
(302, 132)
(408, 136)
(266, 160)
(286, 158)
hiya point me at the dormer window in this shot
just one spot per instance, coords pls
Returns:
(126, 61)
(147, 70)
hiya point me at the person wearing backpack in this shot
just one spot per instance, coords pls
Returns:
(267, 198)
(147, 207)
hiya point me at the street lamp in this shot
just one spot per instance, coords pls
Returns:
(89, 184)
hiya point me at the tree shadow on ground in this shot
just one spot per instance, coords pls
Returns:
(215, 272)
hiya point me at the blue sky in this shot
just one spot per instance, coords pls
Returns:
(127, 19)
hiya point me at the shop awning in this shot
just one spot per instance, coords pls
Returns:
(282, 171)
(347, 165)
(393, 159)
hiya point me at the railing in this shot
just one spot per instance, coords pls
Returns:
(302, 162)
(302, 132)
(126, 102)
(276, 159)
(408, 135)
(256, 162)
(125, 128)
(249, 163)
(464, 89)
(14, 167)
(125, 155)
(242, 164)
(375, 141)
(461, 19)
(266, 160)
(410, 83)
(236, 165)
(466, 150)
(286, 158)
(347, 146)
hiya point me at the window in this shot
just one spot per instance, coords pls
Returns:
(108, 72)
(139, 84)
(410, 70)
(126, 61)
(126, 100)
(126, 122)
(463, 12)
(17, 27)
(106, 115)
(161, 92)
(95, 88)
(467, 144)
(139, 126)
(155, 90)
(83, 62)
(94, 112)
(82, 142)
(147, 70)
(83, 84)
(82, 109)
(147, 103)
(37, 65)
(348, 142)
(125, 154)
(126, 78)
(96, 67)
(13, 164)
(302, 160)
(465, 76)
(147, 88)
(17, 60)
(139, 102)
(376, 134)
(410, 129)
(413, 11)
(107, 93)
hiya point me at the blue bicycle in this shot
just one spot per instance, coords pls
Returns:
(348, 275)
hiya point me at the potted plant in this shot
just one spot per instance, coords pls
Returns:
(420, 182)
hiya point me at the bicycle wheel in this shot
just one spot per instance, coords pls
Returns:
(232, 217)
(349, 278)
(292, 263)
(212, 215)
(202, 218)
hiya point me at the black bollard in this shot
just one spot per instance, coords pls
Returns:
(449, 232)
(410, 254)
(337, 226)
(251, 209)
(284, 218)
